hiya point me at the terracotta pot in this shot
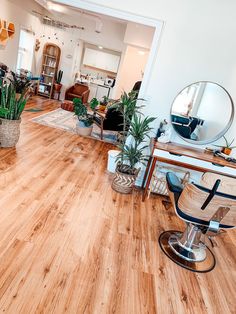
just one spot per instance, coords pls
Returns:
(57, 87)
(9, 132)
(226, 150)
(83, 130)
(124, 182)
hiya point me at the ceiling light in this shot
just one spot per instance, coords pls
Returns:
(141, 52)
(55, 7)
(100, 47)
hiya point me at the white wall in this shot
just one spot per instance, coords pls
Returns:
(139, 35)
(131, 69)
(215, 110)
(22, 18)
(198, 43)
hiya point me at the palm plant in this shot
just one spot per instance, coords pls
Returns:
(127, 105)
(133, 152)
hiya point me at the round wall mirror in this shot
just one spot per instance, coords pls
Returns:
(202, 112)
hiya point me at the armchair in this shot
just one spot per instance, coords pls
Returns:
(78, 91)
(206, 209)
(112, 120)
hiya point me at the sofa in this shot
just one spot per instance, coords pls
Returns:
(78, 91)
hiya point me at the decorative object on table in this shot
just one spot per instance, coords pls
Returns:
(165, 135)
(135, 129)
(227, 147)
(7, 30)
(224, 156)
(103, 103)
(202, 113)
(57, 84)
(85, 120)
(11, 107)
(161, 129)
(50, 62)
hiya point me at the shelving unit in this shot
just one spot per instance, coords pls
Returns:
(50, 62)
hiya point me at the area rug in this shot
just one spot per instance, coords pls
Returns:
(66, 120)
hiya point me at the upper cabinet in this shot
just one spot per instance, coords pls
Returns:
(101, 60)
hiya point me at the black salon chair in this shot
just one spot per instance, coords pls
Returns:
(206, 209)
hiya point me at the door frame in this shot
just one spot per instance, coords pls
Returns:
(131, 17)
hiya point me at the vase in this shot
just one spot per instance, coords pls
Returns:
(9, 132)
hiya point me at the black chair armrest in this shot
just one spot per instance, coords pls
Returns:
(174, 183)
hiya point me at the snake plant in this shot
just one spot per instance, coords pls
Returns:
(11, 105)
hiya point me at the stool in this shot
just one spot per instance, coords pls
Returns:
(67, 105)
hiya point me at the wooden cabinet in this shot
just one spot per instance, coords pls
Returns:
(101, 60)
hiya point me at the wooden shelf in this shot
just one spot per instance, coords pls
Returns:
(53, 52)
(46, 84)
(49, 66)
(44, 94)
(48, 75)
(49, 56)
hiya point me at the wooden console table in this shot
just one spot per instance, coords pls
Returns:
(186, 157)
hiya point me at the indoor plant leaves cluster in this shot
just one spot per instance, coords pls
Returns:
(136, 130)
(13, 98)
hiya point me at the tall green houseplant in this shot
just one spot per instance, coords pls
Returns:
(12, 105)
(136, 130)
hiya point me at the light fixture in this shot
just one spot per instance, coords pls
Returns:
(141, 52)
(100, 47)
(55, 7)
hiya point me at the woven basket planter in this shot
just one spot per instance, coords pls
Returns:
(123, 182)
(9, 132)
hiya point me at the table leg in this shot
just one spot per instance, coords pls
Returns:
(146, 171)
(153, 164)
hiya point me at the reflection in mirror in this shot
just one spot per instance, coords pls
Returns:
(202, 112)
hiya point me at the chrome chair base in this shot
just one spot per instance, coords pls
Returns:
(199, 259)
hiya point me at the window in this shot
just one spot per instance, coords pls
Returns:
(25, 51)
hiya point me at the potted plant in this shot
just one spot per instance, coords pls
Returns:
(57, 84)
(85, 120)
(11, 107)
(20, 82)
(93, 103)
(227, 148)
(103, 103)
(132, 148)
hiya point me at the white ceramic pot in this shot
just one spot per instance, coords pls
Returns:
(82, 129)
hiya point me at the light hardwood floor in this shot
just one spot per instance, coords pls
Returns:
(70, 244)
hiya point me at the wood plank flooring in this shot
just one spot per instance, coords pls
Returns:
(70, 244)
